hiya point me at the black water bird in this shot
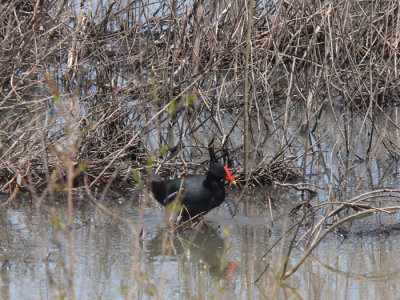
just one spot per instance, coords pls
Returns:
(198, 194)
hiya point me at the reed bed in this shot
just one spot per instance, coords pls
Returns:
(114, 83)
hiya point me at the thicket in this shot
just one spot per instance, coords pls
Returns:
(99, 88)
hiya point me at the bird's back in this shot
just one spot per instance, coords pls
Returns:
(197, 194)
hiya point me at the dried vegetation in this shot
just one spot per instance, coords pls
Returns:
(97, 87)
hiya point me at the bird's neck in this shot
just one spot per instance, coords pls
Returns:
(211, 180)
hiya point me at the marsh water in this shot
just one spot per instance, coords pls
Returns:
(35, 257)
(129, 251)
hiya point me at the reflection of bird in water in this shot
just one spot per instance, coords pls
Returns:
(203, 248)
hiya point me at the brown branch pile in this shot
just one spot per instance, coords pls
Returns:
(105, 86)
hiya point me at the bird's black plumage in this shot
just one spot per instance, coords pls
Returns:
(198, 193)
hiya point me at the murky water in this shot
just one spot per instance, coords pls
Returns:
(127, 251)
(110, 263)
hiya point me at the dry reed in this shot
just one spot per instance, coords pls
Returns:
(136, 77)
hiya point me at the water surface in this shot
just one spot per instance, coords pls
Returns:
(111, 263)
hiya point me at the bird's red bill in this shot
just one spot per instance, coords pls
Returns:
(229, 177)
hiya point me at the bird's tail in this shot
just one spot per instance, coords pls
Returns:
(157, 186)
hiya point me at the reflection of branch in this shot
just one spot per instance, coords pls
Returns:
(294, 291)
(353, 203)
(297, 186)
(337, 224)
(374, 277)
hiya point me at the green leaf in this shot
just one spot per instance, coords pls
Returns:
(63, 226)
(225, 263)
(136, 177)
(82, 165)
(222, 288)
(163, 149)
(53, 150)
(153, 93)
(55, 221)
(178, 208)
(172, 107)
(219, 254)
(53, 175)
(124, 289)
(226, 232)
(149, 161)
(191, 98)
(143, 277)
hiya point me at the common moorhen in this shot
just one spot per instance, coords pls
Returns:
(199, 193)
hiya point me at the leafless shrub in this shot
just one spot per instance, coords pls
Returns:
(133, 76)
